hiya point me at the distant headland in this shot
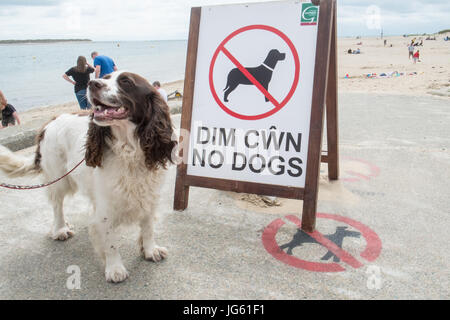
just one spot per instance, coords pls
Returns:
(42, 41)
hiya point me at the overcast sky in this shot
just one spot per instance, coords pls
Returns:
(169, 19)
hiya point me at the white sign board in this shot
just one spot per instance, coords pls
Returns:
(253, 92)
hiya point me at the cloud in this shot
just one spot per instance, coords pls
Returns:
(396, 17)
(169, 19)
(410, 6)
(28, 2)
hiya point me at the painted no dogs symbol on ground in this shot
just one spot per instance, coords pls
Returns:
(345, 243)
(254, 72)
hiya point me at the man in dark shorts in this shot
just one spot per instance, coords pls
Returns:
(411, 50)
(9, 113)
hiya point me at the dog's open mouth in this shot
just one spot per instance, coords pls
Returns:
(103, 112)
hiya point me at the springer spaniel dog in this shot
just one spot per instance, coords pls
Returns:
(126, 142)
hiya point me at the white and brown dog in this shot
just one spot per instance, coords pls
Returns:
(126, 143)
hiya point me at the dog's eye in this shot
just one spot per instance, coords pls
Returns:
(126, 81)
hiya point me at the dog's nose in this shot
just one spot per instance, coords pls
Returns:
(95, 84)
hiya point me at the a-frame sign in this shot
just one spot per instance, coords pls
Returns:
(258, 79)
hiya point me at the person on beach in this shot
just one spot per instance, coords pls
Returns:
(81, 76)
(9, 113)
(411, 51)
(103, 65)
(416, 56)
(161, 91)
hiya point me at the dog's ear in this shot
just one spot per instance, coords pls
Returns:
(155, 132)
(96, 144)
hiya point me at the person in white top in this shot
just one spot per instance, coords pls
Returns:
(161, 91)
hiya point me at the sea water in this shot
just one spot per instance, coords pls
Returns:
(31, 73)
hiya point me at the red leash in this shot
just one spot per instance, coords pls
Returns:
(16, 187)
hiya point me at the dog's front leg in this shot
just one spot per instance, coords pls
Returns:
(61, 230)
(147, 241)
(104, 239)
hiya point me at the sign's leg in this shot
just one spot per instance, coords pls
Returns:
(317, 114)
(332, 106)
(181, 197)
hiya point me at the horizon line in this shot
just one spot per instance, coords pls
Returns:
(185, 39)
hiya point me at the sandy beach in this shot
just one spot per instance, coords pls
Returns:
(430, 76)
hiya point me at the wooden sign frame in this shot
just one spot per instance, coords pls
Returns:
(324, 93)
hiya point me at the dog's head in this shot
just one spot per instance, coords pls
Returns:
(277, 55)
(123, 98)
(120, 96)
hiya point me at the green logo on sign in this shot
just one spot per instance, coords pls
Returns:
(310, 14)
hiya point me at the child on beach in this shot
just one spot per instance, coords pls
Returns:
(416, 56)
(81, 76)
(9, 113)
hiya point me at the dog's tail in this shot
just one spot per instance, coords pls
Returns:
(17, 166)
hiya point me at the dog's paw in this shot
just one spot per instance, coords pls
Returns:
(156, 254)
(116, 273)
(62, 234)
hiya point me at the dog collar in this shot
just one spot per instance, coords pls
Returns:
(265, 65)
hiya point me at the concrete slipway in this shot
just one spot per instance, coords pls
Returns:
(395, 166)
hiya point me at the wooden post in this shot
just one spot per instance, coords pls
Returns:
(326, 18)
(181, 197)
(332, 106)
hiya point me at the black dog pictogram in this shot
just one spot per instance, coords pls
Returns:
(302, 237)
(262, 73)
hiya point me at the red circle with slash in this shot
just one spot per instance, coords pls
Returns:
(277, 105)
(370, 253)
